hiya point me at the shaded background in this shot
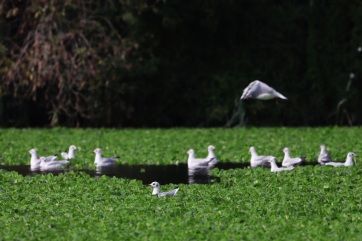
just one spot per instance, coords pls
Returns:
(129, 63)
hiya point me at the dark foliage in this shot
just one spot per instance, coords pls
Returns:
(120, 63)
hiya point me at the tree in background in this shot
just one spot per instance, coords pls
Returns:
(159, 63)
(60, 56)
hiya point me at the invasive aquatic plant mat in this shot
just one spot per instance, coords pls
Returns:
(311, 202)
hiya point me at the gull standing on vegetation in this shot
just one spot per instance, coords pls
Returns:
(324, 156)
(34, 160)
(289, 161)
(156, 190)
(70, 154)
(275, 168)
(349, 161)
(49, 163)
(261, 91)
(211, 155)
(257, 161)
(103, 161)
(193, 162)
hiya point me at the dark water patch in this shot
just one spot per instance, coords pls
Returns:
(200, 176)
(164, 174)
(232, 165)
(314, 163)
(25, 170)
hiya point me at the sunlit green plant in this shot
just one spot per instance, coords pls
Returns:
(309, 203)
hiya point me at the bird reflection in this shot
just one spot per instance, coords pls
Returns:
(199, 175)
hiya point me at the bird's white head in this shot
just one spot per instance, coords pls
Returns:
(350, 159)
(156, 187)
(72, 147)
(286, 150)
(252, 149)
(32, 151)
(154, 184)
(211, 148)
(191, 152)
(98, 151)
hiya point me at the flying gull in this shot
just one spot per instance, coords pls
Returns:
(261, 91)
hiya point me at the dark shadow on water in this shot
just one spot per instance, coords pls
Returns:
(164, 174)
(315, 163)
(232, 165)
(26, 171)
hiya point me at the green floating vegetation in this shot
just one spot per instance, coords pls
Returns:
(169, 146)
(308, 203)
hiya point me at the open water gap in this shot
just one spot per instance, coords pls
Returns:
(164, 174)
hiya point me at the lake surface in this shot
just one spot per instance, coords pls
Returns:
(164, 174)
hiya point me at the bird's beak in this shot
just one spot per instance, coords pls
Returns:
(149, 185)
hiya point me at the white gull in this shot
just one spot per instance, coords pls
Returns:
(275, 168)
(193, 162)
(349, 161)
(49, 163)
(156, 190)
(261, 91)
(34, 160)
(324, 155)
(256, 160)
(103, 161)
(70, 154)
(211, 155)
(291, 161)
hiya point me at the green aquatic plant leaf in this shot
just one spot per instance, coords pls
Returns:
(309, 203)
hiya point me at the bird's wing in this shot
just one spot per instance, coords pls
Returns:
(335, 164)
(169, 193)
(292, 161)
(251, 90)
(263, 88)
(264, 159)
(324, 157)
(57, 163)
(109, 160)
(50, 158)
